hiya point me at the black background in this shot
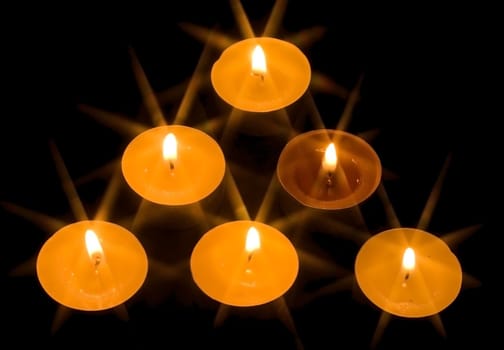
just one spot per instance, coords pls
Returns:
(421, 93)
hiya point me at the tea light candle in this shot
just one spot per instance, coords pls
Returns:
(244, 263)
(329, 169)
(408, 272)
(92, 265)
(261, 74)
(173, 165)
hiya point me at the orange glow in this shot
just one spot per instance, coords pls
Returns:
(258, 61)
(330, 158)
(93, 247)
(253, 241)
(170, 148)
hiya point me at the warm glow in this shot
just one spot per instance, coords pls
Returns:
(330, 158)
(170, 147)
(93, 246)
(408, 261)
(258, 61)
(253, 241)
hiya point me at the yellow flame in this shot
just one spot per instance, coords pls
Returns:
(330, 158)
(170, 147)
(253, 241)
(93, 246)
(408, 261)
(258, 61)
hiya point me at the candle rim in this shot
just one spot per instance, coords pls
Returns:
(75, 232)
(398, 239)
(234, 294)
(317, 140)
(260, 105)
(198, 187)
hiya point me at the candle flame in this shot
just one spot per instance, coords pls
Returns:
(253, 241)
(93, 247)
(258, 61)
(170, 149)
(330, 158)
(408, 261)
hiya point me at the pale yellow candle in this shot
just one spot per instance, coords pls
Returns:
(329, 169)
(408, 272)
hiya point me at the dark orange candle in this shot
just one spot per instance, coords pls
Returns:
(329, 169)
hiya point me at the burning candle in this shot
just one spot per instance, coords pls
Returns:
(244, 263)
(329, 163)
(259, 62)
(408, 272)
(92, 265)
(93, 248)
(261, 74)
(170, 151)
(408, 263)
(253, 242)
(173, 165)
(329, 169)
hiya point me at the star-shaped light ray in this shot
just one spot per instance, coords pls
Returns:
(452, 237)
(221, 41)
(161, 270)
(352, 100)
(149, 98)
(164, 273)
(68, 186)
(307, 259)
(50, 224)
(115, 121)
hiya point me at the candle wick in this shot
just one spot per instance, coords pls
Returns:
(329, 179)
(406, 277)
(260, 75)
(250, 257)
(97, 260)
(172, 166)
